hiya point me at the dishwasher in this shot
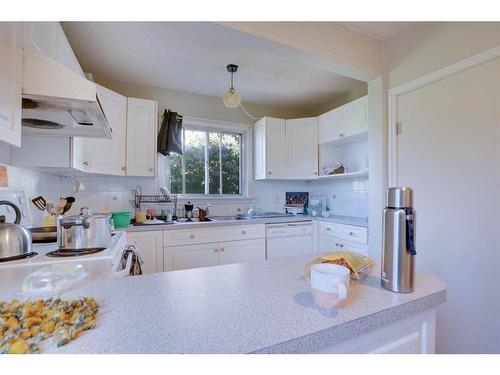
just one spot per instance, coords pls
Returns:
(289, 239)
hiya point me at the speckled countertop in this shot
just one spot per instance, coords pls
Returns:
(263, 307)
(350, 220)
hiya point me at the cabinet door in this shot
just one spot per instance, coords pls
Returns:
(302, 148)
(191, 256)
(270, 149)
(349, 119)
(242, 251)
(10, 82)
(149, 244)
(106, 156)
(141, 137)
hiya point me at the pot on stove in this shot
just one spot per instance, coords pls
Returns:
(15, 240)
(84, 231)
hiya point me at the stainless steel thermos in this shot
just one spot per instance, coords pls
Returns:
(398, 257)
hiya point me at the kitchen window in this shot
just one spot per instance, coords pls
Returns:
(212, 162)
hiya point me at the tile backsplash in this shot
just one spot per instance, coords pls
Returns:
(111, 193)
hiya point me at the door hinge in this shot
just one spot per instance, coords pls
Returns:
(398, 128)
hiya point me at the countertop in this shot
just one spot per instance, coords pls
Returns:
(349, 220)
(263, 307)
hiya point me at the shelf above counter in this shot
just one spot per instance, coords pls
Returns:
(343, 175)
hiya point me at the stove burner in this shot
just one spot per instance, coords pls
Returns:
(19, 257)
(62, 253)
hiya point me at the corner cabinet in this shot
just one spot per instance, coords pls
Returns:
(11, 62)
(142, 123)
(105, 156)
(345, 121)
(285, 149)
(302, 148)
(269, 149)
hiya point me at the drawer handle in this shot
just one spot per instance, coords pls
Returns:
(328, 229)
(192, 236)
(243, 232)
(150, 169)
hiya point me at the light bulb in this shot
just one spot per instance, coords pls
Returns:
(231, 99)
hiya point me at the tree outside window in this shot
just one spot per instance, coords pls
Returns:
(210, 164)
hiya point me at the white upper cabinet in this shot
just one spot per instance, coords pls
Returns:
(105, 156)
(302, 148)
(344, 121)
(142, 119)
(49, 38)
(269, 149)
(10, 82)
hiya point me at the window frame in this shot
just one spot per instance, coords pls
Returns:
(208, 125)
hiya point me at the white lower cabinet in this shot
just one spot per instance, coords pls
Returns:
(150, 245)
(340, 237)
(242, 251)
(213, 254)
(190, 256)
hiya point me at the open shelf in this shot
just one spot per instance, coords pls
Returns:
(343, 175)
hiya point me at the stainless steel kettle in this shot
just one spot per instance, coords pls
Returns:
(15, 240)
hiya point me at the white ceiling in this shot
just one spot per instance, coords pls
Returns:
(380, 30)
(184, 56)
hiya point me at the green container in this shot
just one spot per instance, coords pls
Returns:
(122, 219)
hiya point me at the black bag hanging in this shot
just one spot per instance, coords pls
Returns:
(170, 135)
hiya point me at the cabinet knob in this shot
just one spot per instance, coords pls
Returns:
(221, 249)
(85, 163)
(341, 134)
(243, 232)
(124, 168)
(150, 169)
(192, 236)
(351, 233)
(269, 173)
(341, 245)
(216, 250)
(315, 173)
(328, 229)
(336, 244)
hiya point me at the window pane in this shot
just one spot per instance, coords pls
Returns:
(214, 163)
(194, 161)
(231, 150)
(175, 173)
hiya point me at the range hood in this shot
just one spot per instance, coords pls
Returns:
(58, 102)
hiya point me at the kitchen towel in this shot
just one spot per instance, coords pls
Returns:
(170, 135)
(132, 251)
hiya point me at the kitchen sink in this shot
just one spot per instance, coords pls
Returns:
(227, 218)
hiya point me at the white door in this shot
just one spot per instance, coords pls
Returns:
(150, 245)
(242, 251)
(11, 62)
(191, 256)
(142, 118)
(448, 152)
(302, 148)
(106, 156)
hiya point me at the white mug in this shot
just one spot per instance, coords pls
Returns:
(329, 284)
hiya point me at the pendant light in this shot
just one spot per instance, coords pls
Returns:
(231, 98)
